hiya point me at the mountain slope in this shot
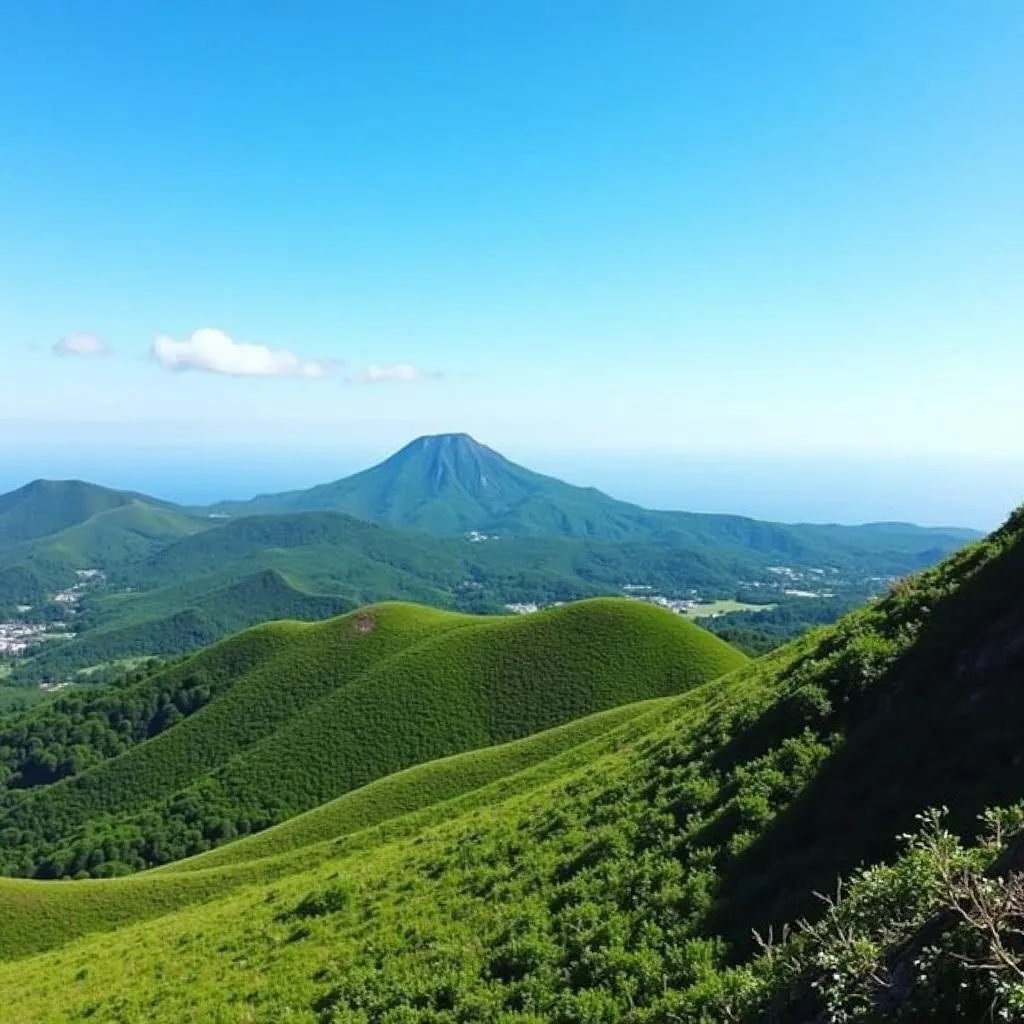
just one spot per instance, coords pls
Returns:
(360, 696)
(600, 891)
(451, 484)
(49, 529)
(180, 591)
(180, 619)
(45, 507)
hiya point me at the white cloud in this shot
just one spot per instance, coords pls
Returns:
(80, 345)
(374, 374)
(214, 351)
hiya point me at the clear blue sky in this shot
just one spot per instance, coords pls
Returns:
(785, 231)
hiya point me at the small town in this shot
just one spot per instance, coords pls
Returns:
(18, 635)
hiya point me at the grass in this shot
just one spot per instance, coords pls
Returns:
(360, 697)
(616, 879)
(42, 915)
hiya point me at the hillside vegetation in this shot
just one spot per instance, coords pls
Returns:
(49, 529)
(178, 619)
(623, 886)
(361, 696)
(309, 565)
(45, 507)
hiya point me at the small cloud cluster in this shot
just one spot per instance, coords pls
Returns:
(400, 372)
(80, 345)
(213, 351)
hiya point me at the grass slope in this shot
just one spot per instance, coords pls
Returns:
(361, 696)
(42, 915)
(605, 892)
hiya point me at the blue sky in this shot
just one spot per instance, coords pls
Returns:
(592, 234)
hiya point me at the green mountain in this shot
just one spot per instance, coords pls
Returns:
(361, 696)
(609, 870)
(49, 529)
(200, 587)
(48, 506)
(176, 580)
(450, 484)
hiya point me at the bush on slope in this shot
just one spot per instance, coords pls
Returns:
(346, 702)
(602, 897)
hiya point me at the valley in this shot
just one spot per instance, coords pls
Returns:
(171, 580)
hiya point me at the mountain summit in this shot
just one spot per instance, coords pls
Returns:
(450, 484)
(44, 507)
(446, 463)
(440, 483)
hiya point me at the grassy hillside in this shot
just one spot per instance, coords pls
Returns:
(622, 886)
(169, 572)
(49, 506)
(40, 915)
(55, 529)
(201, 587)
(361, 696)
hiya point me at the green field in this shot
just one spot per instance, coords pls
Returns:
(714, 608)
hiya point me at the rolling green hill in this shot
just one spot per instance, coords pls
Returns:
(177, 580)
(48, 529)
(451, 484)
(304, 565)
(361, 696)
(45, 507)
(110, 539)
(611, 879)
